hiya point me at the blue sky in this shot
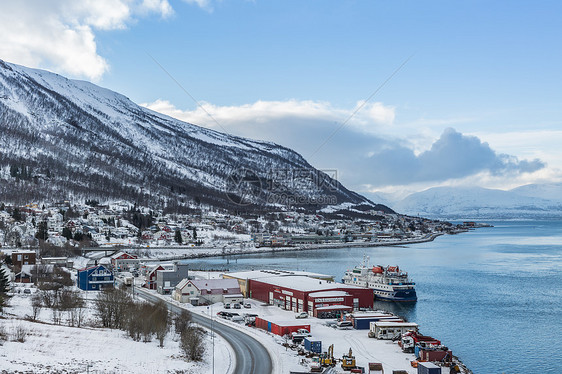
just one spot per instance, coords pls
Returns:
(477, 103)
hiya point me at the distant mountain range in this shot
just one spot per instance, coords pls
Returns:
(529, 201)
(70, 139)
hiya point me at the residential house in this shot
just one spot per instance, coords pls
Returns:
(95, 278)
(25, 275)
(150, 278)
(167, 280)
(208, 291)
(20, 258)
(122, 261)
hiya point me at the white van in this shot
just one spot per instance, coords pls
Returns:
(344, 325)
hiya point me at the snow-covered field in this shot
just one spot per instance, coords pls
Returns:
(52, 348)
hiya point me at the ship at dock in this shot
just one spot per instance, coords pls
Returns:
(387, 282)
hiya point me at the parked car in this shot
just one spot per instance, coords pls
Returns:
(237, 306)
(301, 315)
(247, 305)
(344, 325)
(27, 290)
(226, 306)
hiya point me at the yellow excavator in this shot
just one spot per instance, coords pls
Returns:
(348, 361)
(327, 358)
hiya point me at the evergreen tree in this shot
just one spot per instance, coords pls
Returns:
(177, 237)
(16, 214)
(42, 233)
(194, 234)
(4, 281)
(67, 233)
(4, 288)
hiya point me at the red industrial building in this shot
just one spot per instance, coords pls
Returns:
(280, 328)
(304, 294)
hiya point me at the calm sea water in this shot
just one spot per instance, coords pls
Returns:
(493, 295)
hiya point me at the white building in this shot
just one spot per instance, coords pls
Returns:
(208, 291)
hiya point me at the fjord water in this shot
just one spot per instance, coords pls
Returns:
(492, 295)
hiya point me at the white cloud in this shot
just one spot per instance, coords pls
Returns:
(240, 119)
(60, 34)
(203, 4)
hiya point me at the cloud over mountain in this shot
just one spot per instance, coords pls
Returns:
(363, 151)
(453, 155)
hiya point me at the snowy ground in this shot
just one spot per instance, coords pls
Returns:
(57, 348)
(364, 348)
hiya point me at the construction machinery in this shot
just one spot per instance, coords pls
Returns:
(348, 361)
(327, 358)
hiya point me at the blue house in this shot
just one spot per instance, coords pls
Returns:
(95, 278)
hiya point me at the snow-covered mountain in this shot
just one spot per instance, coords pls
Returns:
(549, 191)
(481, 203)
(63, 138)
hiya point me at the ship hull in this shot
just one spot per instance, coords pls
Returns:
(408, 296)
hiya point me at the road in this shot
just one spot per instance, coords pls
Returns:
(251, 356)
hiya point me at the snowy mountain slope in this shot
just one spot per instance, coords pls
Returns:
(476, 202)
(63, 138)
(549, 191)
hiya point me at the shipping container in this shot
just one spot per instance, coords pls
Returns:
(363, 323)
(435, 355)
(279, 328)
(428, 368)
(313, 345)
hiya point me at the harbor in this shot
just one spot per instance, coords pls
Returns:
(471, 289)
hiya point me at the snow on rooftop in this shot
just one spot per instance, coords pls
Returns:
(305, 284)
(328, 294)
(210, 284)
(257, 274)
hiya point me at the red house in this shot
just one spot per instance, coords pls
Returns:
(150, 279)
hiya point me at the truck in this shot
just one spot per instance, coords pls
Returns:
(128, 278)
(409, 340)
(300, 335)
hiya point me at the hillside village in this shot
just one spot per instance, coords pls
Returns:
(62, 227)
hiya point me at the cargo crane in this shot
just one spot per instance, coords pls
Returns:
(348, 361)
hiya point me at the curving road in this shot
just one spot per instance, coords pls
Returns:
(251, 355)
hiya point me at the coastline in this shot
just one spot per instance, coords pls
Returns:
(204, 252)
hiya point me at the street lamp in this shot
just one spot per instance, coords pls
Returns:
(210, 308)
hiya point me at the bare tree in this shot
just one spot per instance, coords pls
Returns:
(71, 302)
(36, 304)
(182, 321)
(161, 321)
(191, 343)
